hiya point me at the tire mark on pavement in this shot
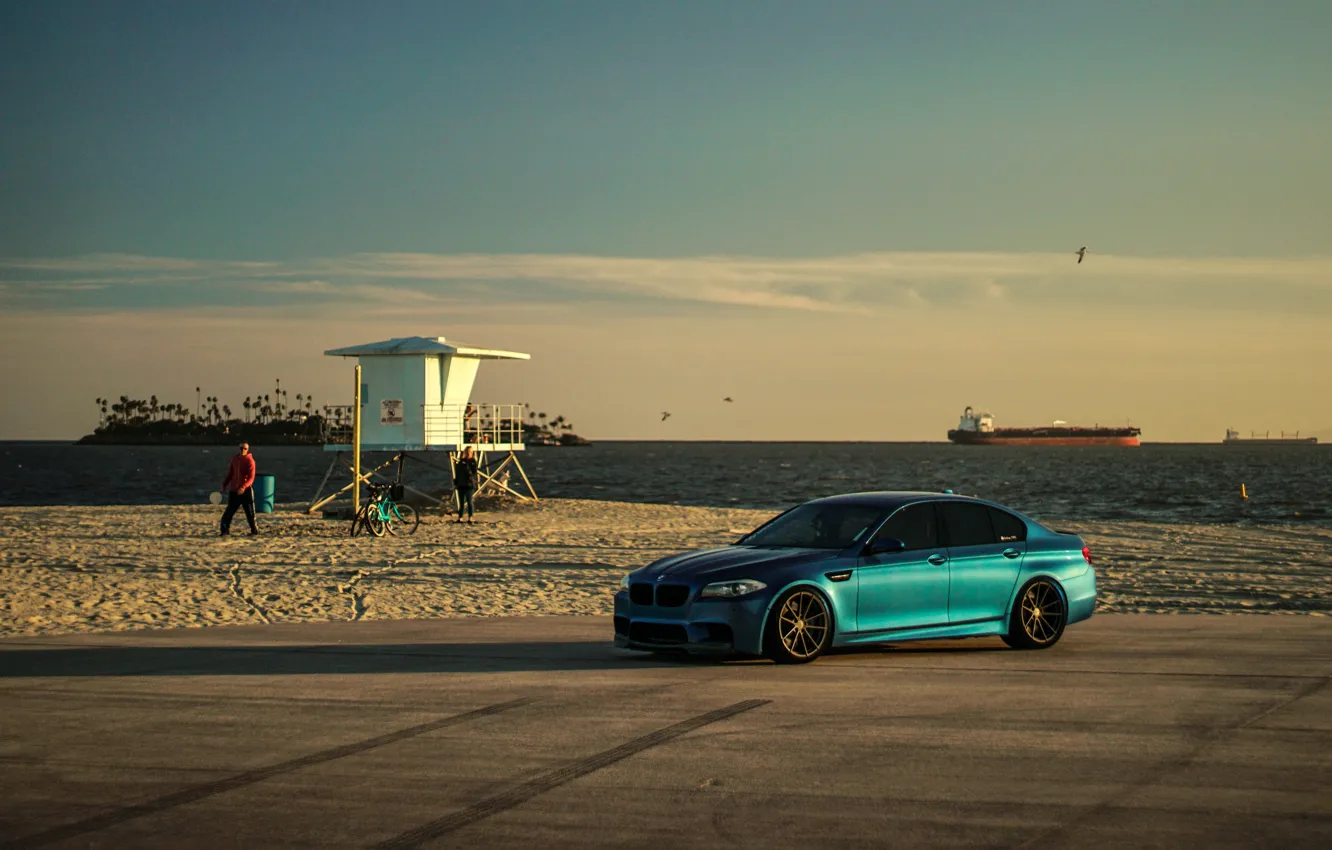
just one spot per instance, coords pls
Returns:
(1161, 771)
(249, 777)
(552, 779)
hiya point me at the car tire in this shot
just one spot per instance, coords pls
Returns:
(799, 628)
(1039, 615)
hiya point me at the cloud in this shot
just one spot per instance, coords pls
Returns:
(392, 283)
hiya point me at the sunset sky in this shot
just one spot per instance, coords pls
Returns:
(853, 218)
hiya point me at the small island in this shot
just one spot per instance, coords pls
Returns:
(267, 419)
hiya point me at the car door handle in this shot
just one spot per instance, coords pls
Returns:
(937, 559)
(1012, 553)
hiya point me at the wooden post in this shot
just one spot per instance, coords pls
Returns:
(356, 445)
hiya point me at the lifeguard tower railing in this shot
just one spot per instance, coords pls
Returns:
(482, 426)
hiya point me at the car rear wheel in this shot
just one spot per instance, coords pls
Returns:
(1039, 616)
(800, 627)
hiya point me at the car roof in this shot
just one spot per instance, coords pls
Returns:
(891, 499)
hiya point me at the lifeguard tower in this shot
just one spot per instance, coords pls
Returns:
(415, 402)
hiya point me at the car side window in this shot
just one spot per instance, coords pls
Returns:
(914, 525)
(1008, 528)
(967, 523)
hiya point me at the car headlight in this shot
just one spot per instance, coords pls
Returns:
(624, 583)
(731, 589)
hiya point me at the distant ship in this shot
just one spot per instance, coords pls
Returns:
(1233, 438)
(977, 429)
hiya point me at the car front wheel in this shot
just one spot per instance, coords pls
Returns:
(800, 627)
(1039, 616)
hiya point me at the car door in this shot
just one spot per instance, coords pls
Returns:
(908, 589)
(985, 551)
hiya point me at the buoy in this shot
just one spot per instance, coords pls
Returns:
(1244, 494)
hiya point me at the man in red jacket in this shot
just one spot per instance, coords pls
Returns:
(239, 485)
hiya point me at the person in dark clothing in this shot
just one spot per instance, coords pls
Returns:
(466, 475)
(239, 487)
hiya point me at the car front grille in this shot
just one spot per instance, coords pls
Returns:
(640, 594)
(672, 595)
(663, 633)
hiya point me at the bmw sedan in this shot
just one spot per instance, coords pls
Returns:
(863, 568)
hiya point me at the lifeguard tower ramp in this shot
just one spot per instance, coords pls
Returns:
(416, 402)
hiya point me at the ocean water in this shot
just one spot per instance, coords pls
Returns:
(1161, 482)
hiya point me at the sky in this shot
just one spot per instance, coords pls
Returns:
(855, 219)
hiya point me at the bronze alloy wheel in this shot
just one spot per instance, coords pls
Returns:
(1039, 616)
(803, 627)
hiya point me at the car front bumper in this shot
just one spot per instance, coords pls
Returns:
(701, 626)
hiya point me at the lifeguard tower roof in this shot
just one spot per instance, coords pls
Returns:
(416, 396)
(427, 345)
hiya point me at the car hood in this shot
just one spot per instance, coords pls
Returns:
(728, 562)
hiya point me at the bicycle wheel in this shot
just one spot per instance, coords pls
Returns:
(375, 523)
(404, 519)
(357, 522)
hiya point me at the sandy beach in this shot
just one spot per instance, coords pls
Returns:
(84, 569)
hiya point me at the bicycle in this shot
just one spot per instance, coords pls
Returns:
(382, 513)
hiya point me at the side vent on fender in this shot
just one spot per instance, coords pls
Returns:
(839, 575)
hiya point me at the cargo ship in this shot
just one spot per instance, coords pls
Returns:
(1233, 438)
(977, 429)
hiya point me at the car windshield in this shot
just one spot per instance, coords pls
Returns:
(818, 526)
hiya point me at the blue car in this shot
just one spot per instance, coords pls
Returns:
(863, 568)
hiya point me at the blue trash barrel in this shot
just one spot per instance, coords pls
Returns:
(265, 487)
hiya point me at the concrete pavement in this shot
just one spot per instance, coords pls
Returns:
(1136, 730)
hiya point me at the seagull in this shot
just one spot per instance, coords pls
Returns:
(1081, 251)
(728, 399)
(665, 415)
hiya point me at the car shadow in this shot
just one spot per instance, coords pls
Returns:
(379, 658)
(316, 659)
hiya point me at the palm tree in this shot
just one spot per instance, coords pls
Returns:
(246, 404)
(152, 406)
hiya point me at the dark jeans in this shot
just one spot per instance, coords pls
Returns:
(465, 501)
(240, 500)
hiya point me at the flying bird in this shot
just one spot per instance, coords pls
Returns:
(728, 399)
(665, 415)
(1081, 251)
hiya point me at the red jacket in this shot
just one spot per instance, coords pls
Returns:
(240, 475)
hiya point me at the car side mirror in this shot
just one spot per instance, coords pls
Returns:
(885, 546)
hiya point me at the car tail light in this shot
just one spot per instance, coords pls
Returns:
(1086, 554)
